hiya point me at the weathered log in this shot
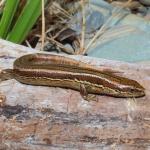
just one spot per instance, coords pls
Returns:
(36, 117)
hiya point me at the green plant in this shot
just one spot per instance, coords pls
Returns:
(8, 14)
(18, 30)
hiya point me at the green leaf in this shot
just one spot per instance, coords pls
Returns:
(8, 14)
(25, 22)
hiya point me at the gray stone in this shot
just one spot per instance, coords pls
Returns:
(145, 2)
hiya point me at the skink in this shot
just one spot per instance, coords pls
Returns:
(60, 71)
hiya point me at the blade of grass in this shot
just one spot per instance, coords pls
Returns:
(8, 14)
(25, 22)
(43, 25)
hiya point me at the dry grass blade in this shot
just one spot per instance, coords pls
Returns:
(43, 25)
(2, 3)
(82, 49)
(115, 33)
(63, 48)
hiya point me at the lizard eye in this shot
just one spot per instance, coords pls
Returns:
(133, 90)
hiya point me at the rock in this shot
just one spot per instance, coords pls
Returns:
(145, 2)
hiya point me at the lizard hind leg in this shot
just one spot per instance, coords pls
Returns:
(85, 95)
